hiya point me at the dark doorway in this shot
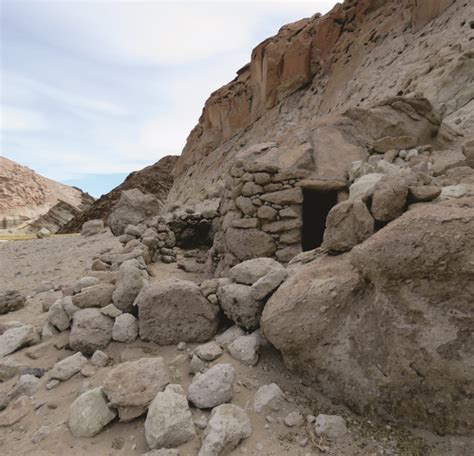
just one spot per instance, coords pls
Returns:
(316, 206)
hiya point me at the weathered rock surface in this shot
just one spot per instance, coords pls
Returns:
(99, 295)
(11, 300)
(169, 422)
(229, 335)
(125, 328)
(331, 426)
(239, 305)
(173, 310)
(248, 272)
(132, 385)
(92, 227)
(228, 426)
(389, 198)
(213, 387)
(91, 331)
(15, 338)
(66, 368)
(129, 283)
(245, 349)
(373, 323)
(249, 243)
(268, 398)
(89, 414)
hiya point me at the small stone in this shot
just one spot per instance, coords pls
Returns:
(268, 398)
(99, 359)
(182, 346)
(197, 365)
(209, 351)
(111, 311)
(69, 366)
(52, 384)
(88, 370)
(125, 328)
(245, 349)
(294, 419)
(229, 335)
(40, 434)
(331, 426)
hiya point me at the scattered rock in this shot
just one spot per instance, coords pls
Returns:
(394, 142)
(15, 338)
(229, 335)
(197, 365)
(99, 359)
(423, 194)
(16, 411)
(89, 414)
(363, 188)
(209, 351)
(99, 295)
(228, 426)
(40, 435)
(84, 282)
(67, 367)
(268, 398)
(248, 272)
(128, 284)
(245, 349)
(91, 331)
(213, 387)
(131, 386)
(172, 311)
(125, 328)
(11, 300)
(169, 422)
(58, 317)
(389, 198)
(331, 426)
(294, 419)
(111, 311)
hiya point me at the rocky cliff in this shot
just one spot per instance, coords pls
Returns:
(156, 179)
(25, 197)
(316, 90)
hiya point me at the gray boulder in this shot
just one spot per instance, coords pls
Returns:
(169, 422)
(125, 328)
(348, 223)
(389, 198)
(129, 283)
(11, 300)
(267, 399)
(58, 317)
(15, 338)
(66, 368)
(245, 349)
(84, 282)
(132, 385)
(248, 272)
(240, 306)
(228, 426)
(91, 331)
(213, 387)
(99, 295)
(132, 208)
(89, 414)
(208, 351)
(172, 311)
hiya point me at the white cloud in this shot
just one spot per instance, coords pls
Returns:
(21, 119)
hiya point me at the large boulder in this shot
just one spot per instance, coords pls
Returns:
(131, 386)
(129, 283)
(387, 327)
(132, 208)
(173, 310)
(91, 330)
(90, 414)
(248, 272)
(389, 198)
(11, 300)
(240, 306)
(249, 243)
(169, 422)
(92, 227)
(348, 223)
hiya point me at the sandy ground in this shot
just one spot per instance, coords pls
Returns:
(62, 260)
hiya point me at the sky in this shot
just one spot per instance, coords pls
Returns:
(93, 90)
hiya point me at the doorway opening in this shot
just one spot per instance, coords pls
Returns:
(316, 206)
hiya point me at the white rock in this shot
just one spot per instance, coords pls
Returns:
(331, 426)
(209, 351)
(213, 387)
(67, 367)
(15, 338)
(229, 335)
(267, 398)
(169, 422)
(125, 328)
(90, 414)
(364, 186)
(228, 426)
(99, 359)
(245, 349)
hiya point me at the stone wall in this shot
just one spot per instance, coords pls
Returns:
(261, 214)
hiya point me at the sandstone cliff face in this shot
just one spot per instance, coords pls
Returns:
(304, 86)
(156, 179)
(25, 196)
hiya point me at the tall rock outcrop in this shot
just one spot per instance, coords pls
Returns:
(317, 89)
(33, 201)
(155, 179)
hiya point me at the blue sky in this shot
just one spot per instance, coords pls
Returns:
(92, 90)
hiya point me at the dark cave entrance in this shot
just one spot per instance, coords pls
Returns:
(316, 206)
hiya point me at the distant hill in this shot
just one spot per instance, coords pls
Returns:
(156, 179)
